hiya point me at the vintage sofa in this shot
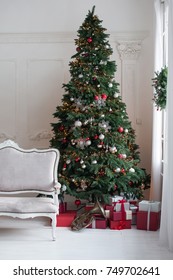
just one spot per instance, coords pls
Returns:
(24, 175)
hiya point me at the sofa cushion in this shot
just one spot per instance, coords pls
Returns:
(27, 205)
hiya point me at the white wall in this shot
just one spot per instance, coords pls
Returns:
(36, 43)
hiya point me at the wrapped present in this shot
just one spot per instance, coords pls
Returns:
(117, 216)
(62, 207)
(147, 220)
(98, 223)
(128, 214)
(65, 219)
(114, 199)
(122, 206)
(110, 208)
(119, 225)
(150, 205)
(89, 206)
(134, 210)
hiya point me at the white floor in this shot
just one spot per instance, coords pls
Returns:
(35, 243)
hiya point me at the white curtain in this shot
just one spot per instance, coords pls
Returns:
(156, 166)
(166, 229)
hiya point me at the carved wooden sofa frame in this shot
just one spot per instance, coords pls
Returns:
(29, 172)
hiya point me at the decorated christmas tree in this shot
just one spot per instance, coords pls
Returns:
(99, 157)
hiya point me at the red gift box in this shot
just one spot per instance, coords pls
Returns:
(100, 223)
(120, 224)
(89, 207)
(117, 216)
(148, 220)
(62, 207)
(65, 219)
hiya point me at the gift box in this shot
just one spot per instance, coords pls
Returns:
(89, 207)
(150, 205)
(65, 219)
(147, 220)
(119, 225)
(116, 216)
(98, 223)
(115, 198)
(62, 207)
(120, 206)
(128, 214)
(109, 208)
(134, 210)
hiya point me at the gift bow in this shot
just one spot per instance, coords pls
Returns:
(120, 226)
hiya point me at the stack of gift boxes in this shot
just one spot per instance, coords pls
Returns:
(119, 214)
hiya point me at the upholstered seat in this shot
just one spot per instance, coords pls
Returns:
(29, 172)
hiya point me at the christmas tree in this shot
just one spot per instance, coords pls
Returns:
(99, 157)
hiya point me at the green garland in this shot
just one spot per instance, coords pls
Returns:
(160, 86)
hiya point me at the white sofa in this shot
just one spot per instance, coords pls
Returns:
(29, 172)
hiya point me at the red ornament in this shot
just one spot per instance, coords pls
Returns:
(122, 170)
(77, 202)
(78, 49)
(120, 129)
(104, 96)
(77, 159)
(96, 97)
(96, 137)
(61, 128)
(89, 40)
(120, 156)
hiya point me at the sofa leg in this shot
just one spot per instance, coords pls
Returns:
(54, 227)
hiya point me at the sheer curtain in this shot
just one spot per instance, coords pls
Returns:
(156, 180)
(166, 228)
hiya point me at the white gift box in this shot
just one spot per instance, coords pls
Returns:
(118, 206)
(128, 215)
(115, 198)
(149, 205)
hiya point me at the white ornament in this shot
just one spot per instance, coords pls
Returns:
(116, 95)
(80, 76)
(101, 136)
(71, 99)
(132, 170)
(99, 146)
(113, 149)
(78, 123)
(126, 130)
(88, 143)
(64, 188)
(117, 170)
(94, 162)
(124, 156)
(81, 144)
(83, 166)
(81, 162)
(68, 161)
(110, 85)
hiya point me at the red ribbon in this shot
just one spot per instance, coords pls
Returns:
(123, 208)
(121, 225)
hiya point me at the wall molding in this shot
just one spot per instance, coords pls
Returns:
(129, 49)
(64, 37)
